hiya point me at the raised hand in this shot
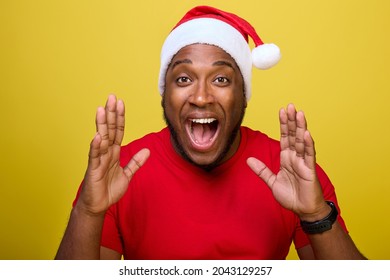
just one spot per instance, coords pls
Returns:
(105, 180)
(295, 186)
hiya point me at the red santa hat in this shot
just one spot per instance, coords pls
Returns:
(208, 25)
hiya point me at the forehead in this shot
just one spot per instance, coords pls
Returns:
(203, 52)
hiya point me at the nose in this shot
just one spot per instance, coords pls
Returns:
(202, 95)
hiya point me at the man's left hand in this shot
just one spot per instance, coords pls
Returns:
(295, 186)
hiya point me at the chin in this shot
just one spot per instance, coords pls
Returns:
(206, 162)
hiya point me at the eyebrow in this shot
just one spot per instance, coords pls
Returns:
(178, 62)
(223, 63)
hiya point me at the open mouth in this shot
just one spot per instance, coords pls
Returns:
(203, 132)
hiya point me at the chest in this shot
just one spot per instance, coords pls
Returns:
(204, 218)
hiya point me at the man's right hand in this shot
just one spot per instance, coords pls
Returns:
(105, 181)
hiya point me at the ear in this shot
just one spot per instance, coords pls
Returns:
(162, 99)
(245, 100)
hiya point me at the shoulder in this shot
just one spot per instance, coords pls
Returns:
(151, 141)
(255, 137)
(260, 143)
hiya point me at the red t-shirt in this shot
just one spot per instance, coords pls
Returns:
(175, 210)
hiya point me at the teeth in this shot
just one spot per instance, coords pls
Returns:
(208, 120)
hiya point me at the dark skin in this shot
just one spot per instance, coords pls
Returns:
(203, 84)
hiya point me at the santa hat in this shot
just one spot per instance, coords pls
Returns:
(208, 25)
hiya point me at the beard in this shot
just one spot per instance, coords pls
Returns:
(179, 147)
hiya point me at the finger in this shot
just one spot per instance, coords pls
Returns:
(136, 162)
(111, 115)
(101, 128)
(120, 122)
(292, 125)
(262, 171)
(94, 152)
(310, 152)
(300, 132)
(283, 129)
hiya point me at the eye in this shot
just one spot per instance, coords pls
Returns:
(222, 80)
(181, 81)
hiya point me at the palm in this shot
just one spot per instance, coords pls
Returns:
(293, 181)
(106, 181)
(295, 186)
(109, 181)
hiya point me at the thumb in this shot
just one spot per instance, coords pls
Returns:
(262, 171)
(136, 162)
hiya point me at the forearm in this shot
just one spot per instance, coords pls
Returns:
(334, 244)
(82, 236)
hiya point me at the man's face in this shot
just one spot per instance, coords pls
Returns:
(204, 104)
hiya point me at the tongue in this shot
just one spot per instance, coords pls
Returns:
(202, 133)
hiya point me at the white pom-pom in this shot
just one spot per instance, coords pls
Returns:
(265, 56)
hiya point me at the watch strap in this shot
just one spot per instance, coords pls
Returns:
(322, 225)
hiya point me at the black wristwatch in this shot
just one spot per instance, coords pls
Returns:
(321, 225)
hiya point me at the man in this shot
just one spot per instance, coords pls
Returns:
(192, 190)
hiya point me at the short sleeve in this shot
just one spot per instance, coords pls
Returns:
(110, 234)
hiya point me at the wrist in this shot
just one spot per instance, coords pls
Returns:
(323, 224)
(321, 212)
(83, 211)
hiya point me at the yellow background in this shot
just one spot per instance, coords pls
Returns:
(60, 59)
